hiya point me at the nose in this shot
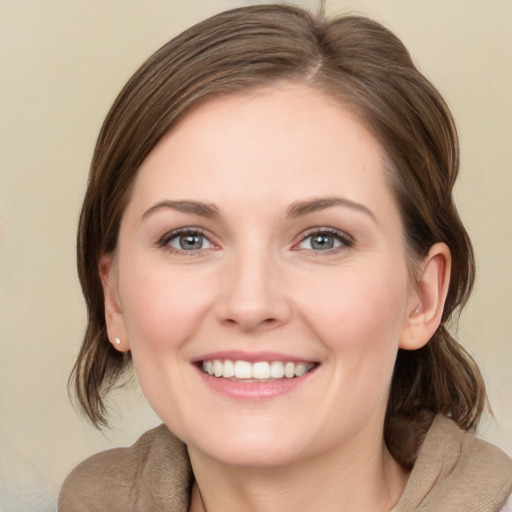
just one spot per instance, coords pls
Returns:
(253, 295)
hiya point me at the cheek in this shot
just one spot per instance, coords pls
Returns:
(161, 310)
(359, 312)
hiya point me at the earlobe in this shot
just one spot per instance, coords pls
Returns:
(114, 319)
(426, 311)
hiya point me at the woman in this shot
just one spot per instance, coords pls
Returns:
(269, 234)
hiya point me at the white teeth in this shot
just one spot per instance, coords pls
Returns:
(217, 368)
(289, 370)
(243, 370)
(259, 370)
(300, 369)
(276, 369)
(229, 369)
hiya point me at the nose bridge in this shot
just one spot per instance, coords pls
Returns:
(252, 296)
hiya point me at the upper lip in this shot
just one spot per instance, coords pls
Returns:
(251, 357)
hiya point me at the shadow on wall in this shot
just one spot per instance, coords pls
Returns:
(22, 487)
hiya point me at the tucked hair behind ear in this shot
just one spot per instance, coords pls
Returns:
(355, 61)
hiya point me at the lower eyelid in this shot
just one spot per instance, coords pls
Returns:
(165, 240)
(342, 238)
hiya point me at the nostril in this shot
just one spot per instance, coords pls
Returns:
(248, 324)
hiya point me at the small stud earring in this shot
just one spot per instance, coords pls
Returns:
(417, 310)
(117, 341)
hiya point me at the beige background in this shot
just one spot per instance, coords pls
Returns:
(63, 62)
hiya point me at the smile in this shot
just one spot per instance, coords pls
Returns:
(259, 370)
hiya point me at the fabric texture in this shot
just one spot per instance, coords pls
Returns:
(455, 471)
(153, 475)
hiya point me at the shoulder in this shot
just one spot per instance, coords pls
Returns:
(471, 467)
(456, 470)
(471, 452)
(155, 468)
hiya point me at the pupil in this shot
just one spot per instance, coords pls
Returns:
(322, 242)
(188, 242)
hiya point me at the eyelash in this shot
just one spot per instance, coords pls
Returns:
(164, 242)
(345, 240)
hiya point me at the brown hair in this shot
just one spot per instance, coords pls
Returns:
(351, 58)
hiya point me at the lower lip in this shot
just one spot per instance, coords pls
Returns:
(254, 391)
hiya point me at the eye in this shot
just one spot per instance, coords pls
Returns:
(325, 240)
(188, 240)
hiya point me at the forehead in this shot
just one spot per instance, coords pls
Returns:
(281, 141)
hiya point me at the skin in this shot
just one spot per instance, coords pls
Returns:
(257, 284)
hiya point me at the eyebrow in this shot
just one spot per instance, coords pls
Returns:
(194, 207)
(297, 208)
(300, 208)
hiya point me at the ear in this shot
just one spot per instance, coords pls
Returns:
(426, 303)
(116, 328)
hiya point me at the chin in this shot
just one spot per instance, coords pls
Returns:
(256, 449)
(263, 457)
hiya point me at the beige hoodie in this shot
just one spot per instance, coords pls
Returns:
(454, 472)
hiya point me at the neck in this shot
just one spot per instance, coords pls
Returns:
(364, 480)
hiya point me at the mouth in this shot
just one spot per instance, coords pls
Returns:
(258, 371)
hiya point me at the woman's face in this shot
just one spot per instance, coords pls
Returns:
(261, 239)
